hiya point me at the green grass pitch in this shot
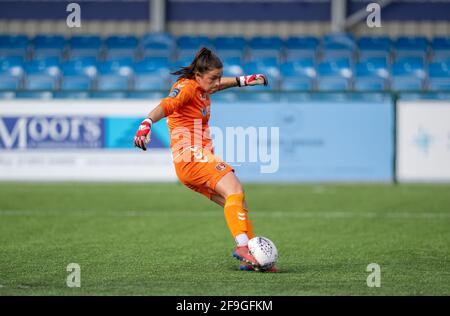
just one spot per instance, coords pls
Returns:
(163, 239)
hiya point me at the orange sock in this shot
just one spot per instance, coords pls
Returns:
(237, 216)
(249, 229)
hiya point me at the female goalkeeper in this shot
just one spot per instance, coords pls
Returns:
(187, 109)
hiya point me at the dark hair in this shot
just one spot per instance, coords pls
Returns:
(204, 61)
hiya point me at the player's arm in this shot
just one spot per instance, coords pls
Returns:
(177, 98)
(242, 81)
(143, 133)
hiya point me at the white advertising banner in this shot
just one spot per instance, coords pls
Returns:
(89, 140)
(423, 141)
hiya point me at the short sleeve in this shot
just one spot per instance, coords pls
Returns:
(178, 96)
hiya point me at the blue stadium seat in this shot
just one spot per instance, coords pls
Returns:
(232, 66)
(229, 42)
(337, 53)
(297, 67)
(369, 84)
(330, 96)
(121, 46)
(144, 82)
(157, 45)
(189, 45)
(235, 60)
(158, 65)
(411, 46)
(296, 84)
(152, 74)
(12, 65)
(265, 46)
(375, 66)
(225, 96)
(338, 38)
(183, 62)
(408, 74)
(49, 41)
(7, 95)
(158, 37)
(48, 46)
(80, 66)
(121, 41)
(406, 84)
(299, 47)
(259, 96)
(334, 75)
(439, 76)
(40, 82)
(371, 75)
(120, 66)
(70, 95)
(265, 62)
(296, 97)
(267, 66)
(374, 46)
(410, 66)
(193, 42)
(14, 45)
(88, 52)
(157, 50)
(76, 82)
(48, 52)
(441, 48)
(85, 41)
(110, 82)
(47, 66)
(338, 67)
(146, 95)
(85, 46)
(298, 75)
(9, 82)
(336, 46)
(114, 53)
(333, 84)
(230, 46)
(34, 95)
(107, 95)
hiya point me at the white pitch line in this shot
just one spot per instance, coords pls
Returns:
(218, 213)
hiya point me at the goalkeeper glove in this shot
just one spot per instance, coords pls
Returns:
(143, 134)
(252, 80)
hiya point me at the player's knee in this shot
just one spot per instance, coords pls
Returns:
(235, 189)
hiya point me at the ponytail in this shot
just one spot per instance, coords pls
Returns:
(204, 61)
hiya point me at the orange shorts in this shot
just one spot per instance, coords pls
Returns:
(200, 170)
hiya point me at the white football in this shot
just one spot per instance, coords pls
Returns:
(264, 251)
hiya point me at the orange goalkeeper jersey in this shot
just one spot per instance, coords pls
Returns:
(187, 109)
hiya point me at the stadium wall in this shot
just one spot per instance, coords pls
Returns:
(73, 141)
(253, 28)
(220, 17)
(423, 141)
(291, 141)
(354, 141)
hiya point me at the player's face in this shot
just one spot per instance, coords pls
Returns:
(210, 80)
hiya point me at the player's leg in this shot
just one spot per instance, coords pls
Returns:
(236, 214)
(230, 189)
(215, 177)
(218, 199)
